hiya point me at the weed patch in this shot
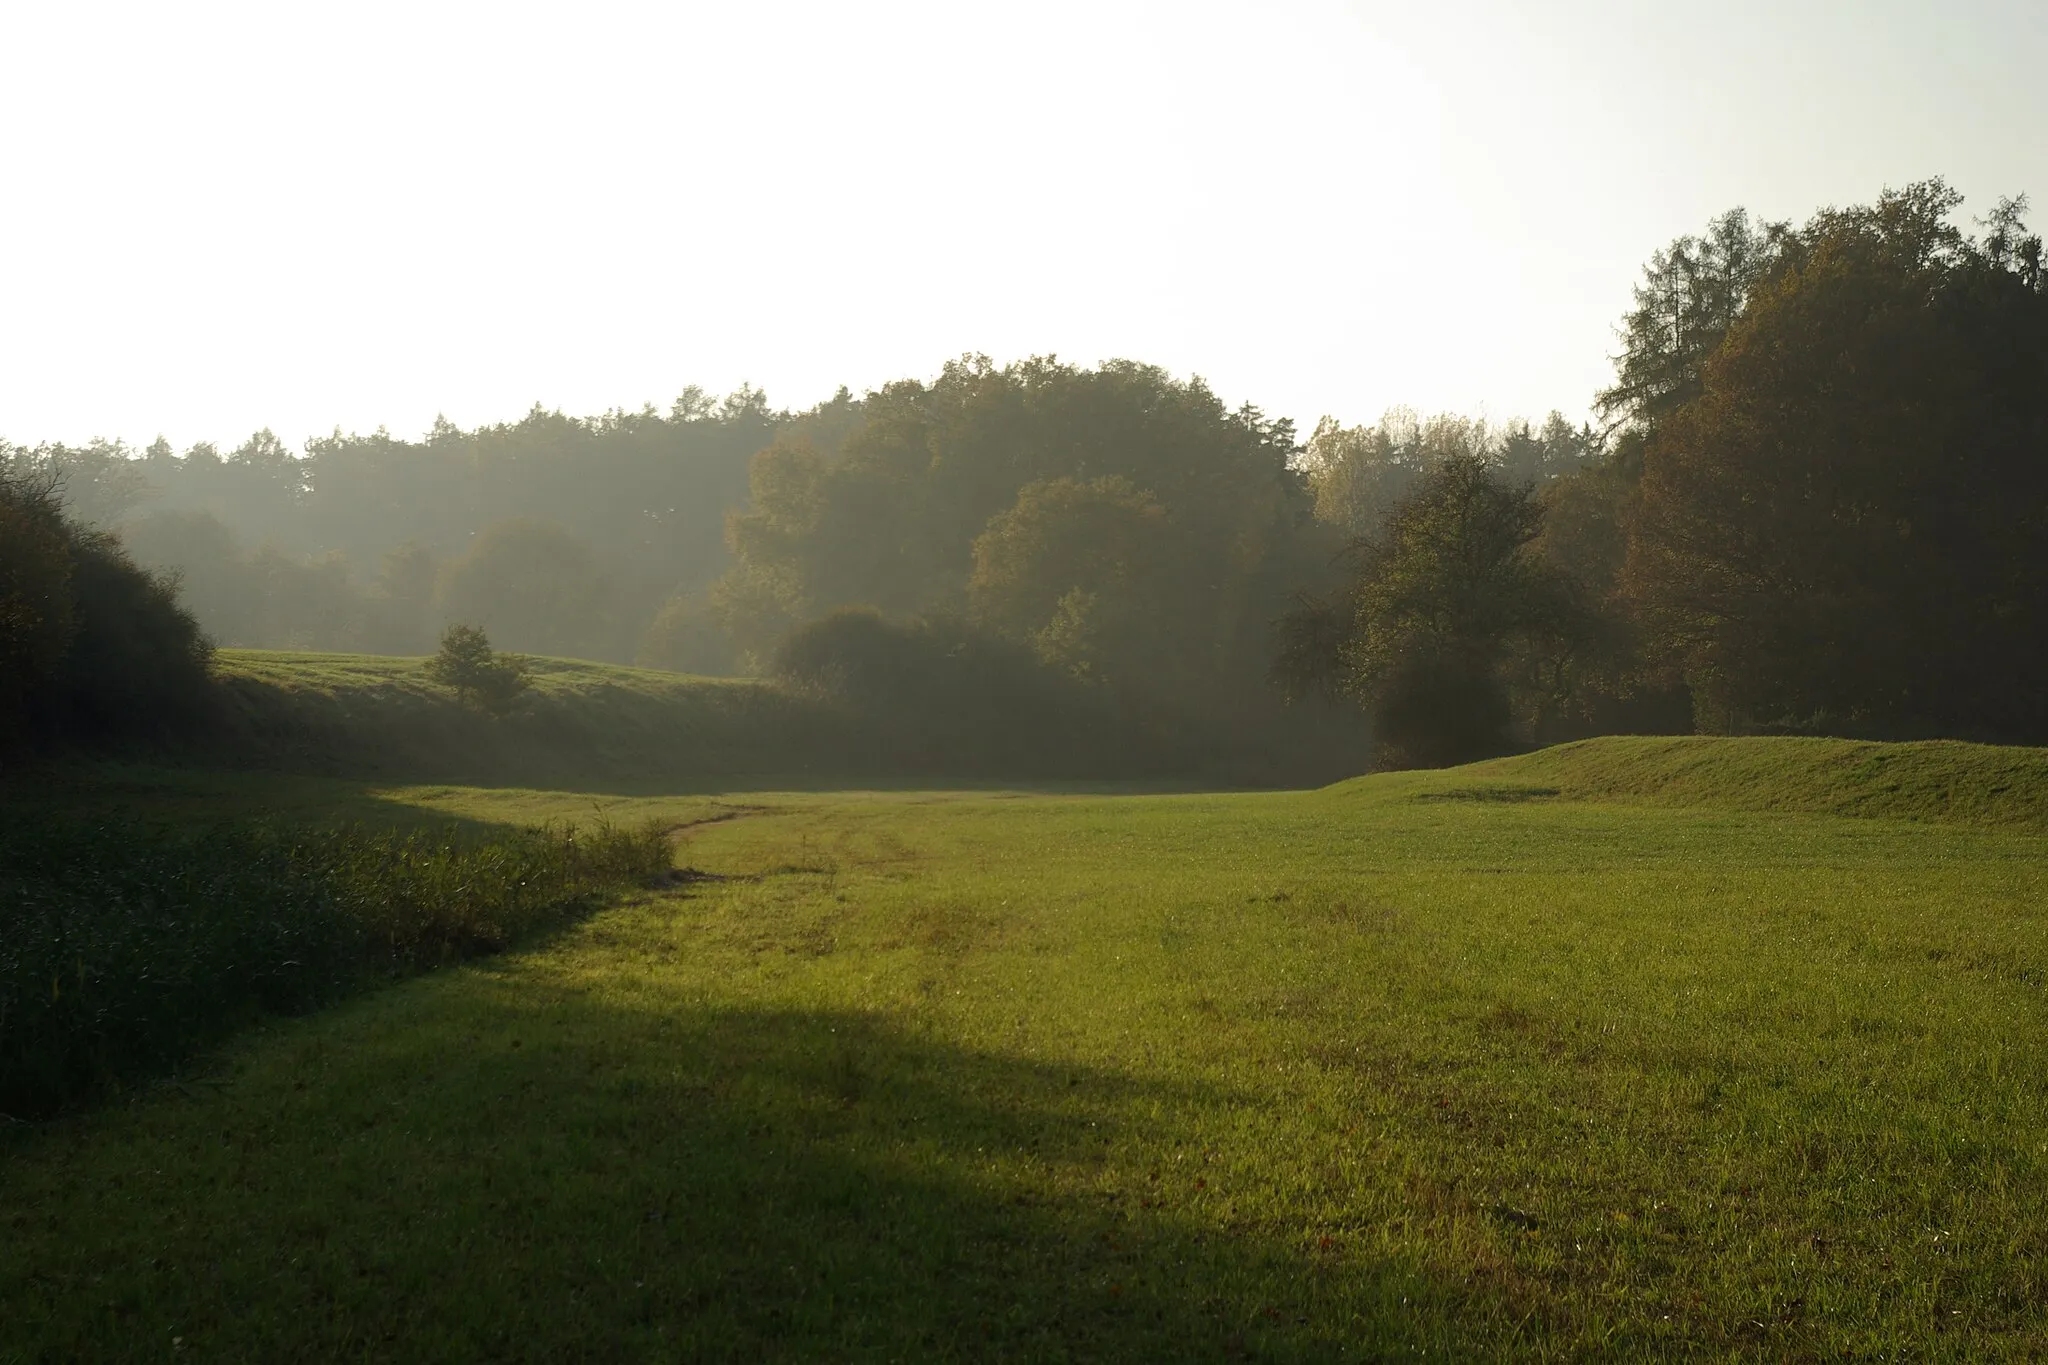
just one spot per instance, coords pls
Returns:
(123, 949)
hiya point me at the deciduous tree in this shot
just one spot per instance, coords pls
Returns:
(1448, 616)
(1847, 527)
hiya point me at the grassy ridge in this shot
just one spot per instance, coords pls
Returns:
(599, 726)
(607, 727)
(1389, 1070)
(364, 715)
(1938, 780)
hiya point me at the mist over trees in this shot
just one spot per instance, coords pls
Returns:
(1359, 475)
(1122, 525)
(367, 542)
(1817, 501)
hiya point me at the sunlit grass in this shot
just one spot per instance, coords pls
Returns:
(1373, 1071)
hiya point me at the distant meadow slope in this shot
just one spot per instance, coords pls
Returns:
(369, 716)
(376, 717)
(2004, 786)
(366, 715)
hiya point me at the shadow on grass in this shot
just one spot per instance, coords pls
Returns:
(154, 794)
(109, 793)
(578, 1180)
(636, 733)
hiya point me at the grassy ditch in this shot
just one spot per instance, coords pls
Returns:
(122, 949)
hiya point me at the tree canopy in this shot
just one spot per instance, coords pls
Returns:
(1449, 622)
(1848, 524)
(92, 646)
(1817, 501)
(1117, 520)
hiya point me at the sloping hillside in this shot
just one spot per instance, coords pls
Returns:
(373, 716)
(368, 716)
(1933, 780)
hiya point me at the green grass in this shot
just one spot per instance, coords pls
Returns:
(335, 675)
(1939, 780)
(582, 724)
(125, 946)
(1555, 1057)
(605, 728)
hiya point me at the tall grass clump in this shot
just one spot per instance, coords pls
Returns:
(123, 949)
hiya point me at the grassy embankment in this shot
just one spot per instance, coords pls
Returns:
(1635, 1048)
(366, 716)
(604, 727)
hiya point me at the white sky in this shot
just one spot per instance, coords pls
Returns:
(217, 217)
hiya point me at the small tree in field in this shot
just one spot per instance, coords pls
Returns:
(480, 676)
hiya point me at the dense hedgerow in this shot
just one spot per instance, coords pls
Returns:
(123, 949)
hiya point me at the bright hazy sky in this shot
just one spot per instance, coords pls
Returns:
(303, 215)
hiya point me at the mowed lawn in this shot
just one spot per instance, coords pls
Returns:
(1440, 1065)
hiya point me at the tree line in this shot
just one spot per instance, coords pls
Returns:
(567, 534)
(1820, 504)
(1814, 502)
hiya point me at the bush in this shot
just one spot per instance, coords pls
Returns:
(92, 647)
(123, 949)
(688, 636)
(138, 665)
(949, 698)
(479, 676)
(36, 618)
(1436, 710)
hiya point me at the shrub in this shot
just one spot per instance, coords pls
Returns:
(688, 636)
(92, 646)
(949, 698)
(480, 676)
(138, 665)
(36, 618)
(1433, 710)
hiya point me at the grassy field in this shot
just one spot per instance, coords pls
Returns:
(127, 947)
(1632, 1049)
(605, 729)
(586, 725)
